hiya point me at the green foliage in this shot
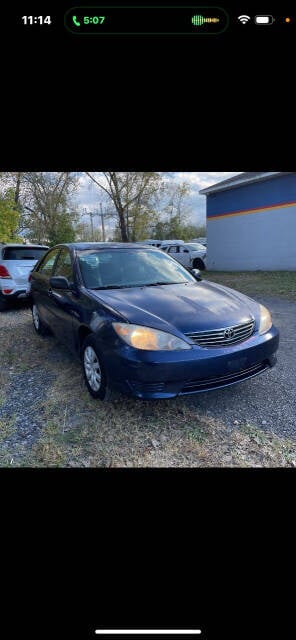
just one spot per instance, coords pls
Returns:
(9, 217)
(62, 230)
(174, 229)
(48, 200)
(172, 222)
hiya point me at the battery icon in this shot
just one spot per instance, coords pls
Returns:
(264, 19)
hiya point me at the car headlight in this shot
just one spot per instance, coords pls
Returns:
(265, 319)
(141, 337)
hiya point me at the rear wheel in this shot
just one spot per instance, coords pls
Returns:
(38, 324)
(94, 371)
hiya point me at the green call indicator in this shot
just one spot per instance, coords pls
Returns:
(114, 20)
(88, 20)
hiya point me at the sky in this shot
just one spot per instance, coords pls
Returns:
(89, 196)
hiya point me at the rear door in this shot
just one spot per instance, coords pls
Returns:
(40, 286)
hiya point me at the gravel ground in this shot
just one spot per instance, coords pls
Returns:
(268, 400)
(21, 404)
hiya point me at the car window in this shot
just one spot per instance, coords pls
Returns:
(46, 266)
(63, 265)
(23, 253)
(173, 250)
(195, 247)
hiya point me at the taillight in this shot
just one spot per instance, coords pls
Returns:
(3, 272)
(30, 277)
(7, 290)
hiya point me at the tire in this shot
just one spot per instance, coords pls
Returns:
(39, 327)
(3, 305)
(198, 264)
(94, 371)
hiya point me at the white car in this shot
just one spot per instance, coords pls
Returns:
(190, 254)
(16, 262)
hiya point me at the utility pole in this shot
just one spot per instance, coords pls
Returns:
(91, 214)
(103, 225)
(91, 224)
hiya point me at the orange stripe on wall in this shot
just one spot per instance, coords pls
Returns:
(247, 211)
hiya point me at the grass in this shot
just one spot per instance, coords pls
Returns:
(82, 432)
(7, 428)
(278, 283)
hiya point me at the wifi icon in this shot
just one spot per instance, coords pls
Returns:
(244, 19)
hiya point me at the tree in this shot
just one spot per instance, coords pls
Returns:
(172, 222)
(85, 233)
(49, 215)
(177, 206)
(133, 195)
(63, 230)
(9, 217)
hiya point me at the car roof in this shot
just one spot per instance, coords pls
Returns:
(80, 246)
(23, 246)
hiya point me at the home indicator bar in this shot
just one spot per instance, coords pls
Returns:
(149, 632)
(111, 20)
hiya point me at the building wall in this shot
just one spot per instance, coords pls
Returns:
(253, 227)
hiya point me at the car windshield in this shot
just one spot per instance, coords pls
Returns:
(120, 268)
(194, 246)
(23, 253)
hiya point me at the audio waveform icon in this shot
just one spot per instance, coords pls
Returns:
(198, 21)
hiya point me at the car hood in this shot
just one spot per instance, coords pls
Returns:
(186, 307)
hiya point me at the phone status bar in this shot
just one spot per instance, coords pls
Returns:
(178, 20)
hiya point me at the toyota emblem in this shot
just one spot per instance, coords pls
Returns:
(228, 333)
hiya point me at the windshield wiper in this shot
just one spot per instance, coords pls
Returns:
(155, 284)
(130, 286)
(113, 286)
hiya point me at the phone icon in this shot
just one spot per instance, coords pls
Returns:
(77, 24)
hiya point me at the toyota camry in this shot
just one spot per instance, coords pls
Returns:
(144, 325)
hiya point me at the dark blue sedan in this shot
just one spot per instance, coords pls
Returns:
(144, 325)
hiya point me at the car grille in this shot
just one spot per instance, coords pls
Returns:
(222, 337)
(214, 382)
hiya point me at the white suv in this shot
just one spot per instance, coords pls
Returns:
(16, 262)
(190, 254)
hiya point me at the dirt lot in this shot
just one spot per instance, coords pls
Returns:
(47, 418)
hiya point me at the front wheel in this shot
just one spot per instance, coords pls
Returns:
(94, 371)
(38, 324)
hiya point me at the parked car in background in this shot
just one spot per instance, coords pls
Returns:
(200, 241)
(160, 243)
(190, 254)
(16, 262)
(145, 326)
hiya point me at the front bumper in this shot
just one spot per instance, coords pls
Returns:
(148, 375)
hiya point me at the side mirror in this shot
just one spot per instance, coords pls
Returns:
(196, 273)
(59, 282)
